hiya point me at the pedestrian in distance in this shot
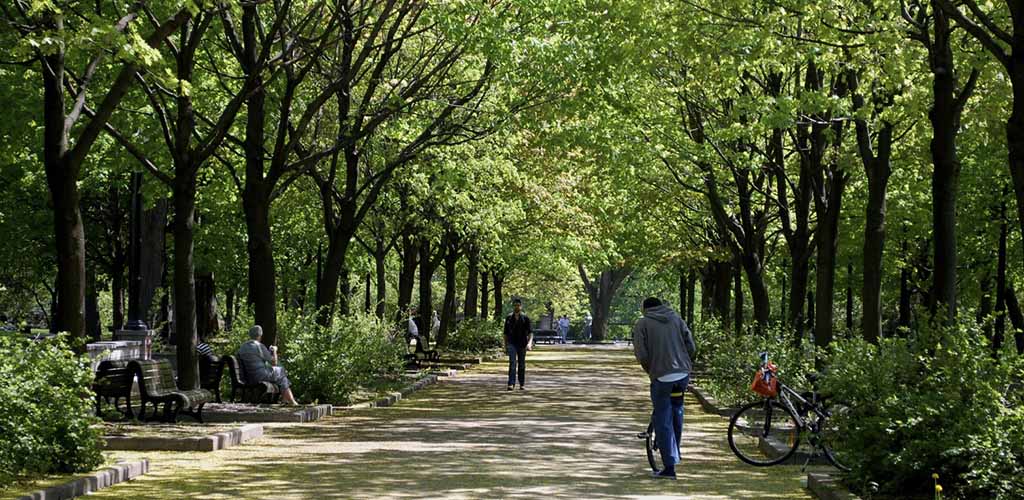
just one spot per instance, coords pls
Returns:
(518, 339)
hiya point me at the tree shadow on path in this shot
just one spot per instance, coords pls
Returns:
(571, 434)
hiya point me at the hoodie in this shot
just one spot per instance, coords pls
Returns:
(662, 342)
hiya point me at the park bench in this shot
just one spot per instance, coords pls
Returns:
(415, 354)
(157, 387)
(112, 382)
(545, 331)
(258, 392)
(211, 371)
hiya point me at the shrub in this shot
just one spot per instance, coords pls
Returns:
(328, 364)
(728, 361)
(475, 336)
(45, 401)
(934, 402)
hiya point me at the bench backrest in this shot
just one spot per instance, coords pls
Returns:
(234, 370)
(156, 378)
(210, 369)
(113, 376)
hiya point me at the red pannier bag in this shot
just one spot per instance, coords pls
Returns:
(765, 382)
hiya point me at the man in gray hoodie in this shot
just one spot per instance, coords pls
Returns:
(663, 345)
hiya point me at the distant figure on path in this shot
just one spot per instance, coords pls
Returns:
(260, 364)
(415, 328)
(435, 324)
(563, 327)
(588, 323)
(518, 340)
(663, 345)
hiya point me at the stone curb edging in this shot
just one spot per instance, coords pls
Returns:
(299, 416)
(709, 403)
(826, 487)
(395, 397)
(93, 482)
(212, 442)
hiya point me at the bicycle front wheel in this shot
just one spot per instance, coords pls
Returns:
(653, 453)
(764, 433)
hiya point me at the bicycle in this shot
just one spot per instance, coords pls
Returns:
(768, 431)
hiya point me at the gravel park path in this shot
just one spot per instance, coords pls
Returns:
(570, 434)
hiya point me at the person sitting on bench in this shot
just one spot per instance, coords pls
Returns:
(260, 364)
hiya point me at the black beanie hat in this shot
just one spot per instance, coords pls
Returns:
(650, 302)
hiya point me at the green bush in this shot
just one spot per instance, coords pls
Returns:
(728, 361)
(328, 364)
(935, 402)
(45, 401)
(475, 336)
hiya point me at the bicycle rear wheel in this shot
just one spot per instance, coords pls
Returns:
(764, 433)
(830, 435)
(653, 453)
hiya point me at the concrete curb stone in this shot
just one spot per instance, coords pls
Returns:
(212, 442)
(93, 482)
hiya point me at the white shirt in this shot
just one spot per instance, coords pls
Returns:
(413, 329)
(673, 377)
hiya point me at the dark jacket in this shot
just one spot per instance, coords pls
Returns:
(662, 342)
(517, 331)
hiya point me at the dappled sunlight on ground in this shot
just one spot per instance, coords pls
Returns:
(570, 434)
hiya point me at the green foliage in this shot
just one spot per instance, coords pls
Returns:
(936, 401)
(328, 364)
(475, 336)
(45, 424)
(729, 361)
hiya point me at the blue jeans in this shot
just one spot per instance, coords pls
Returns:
(516, 363)
(668, 420)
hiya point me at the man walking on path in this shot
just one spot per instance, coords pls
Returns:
(663, 345)
(563, 327)
(518, 340)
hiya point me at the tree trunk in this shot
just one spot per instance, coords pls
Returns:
(207, 321)
(682, 292)
(849, 297)
(407, 276)
(93, 328)
(878, 169)
(484, 292)
(262, 268)
(426, 278)
(472, 282)
(451, 259)
(379, 259)
(737, 273)
(367, 301)
(153, 258)
(692, 286)
(184, 278)
(810, 310)
(331, 277)
(722, 282)
(117, 295)
(945, 120)
(229, 313)
(828, 247)
(499, 304)
(601, 292)
(1016, 318)
(62, 181)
